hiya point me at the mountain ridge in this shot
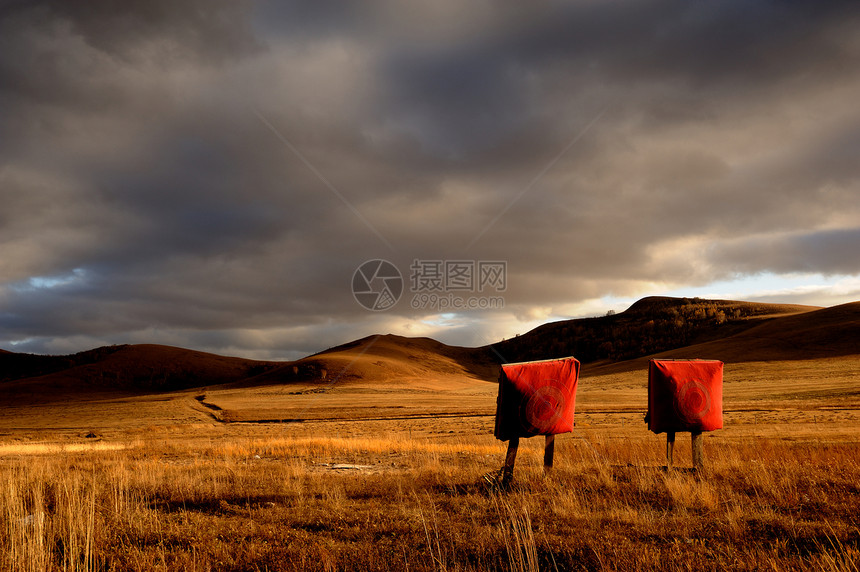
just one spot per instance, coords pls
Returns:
(651, 325)
(715, 329)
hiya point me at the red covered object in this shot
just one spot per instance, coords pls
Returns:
(536, 398)
(685, 395)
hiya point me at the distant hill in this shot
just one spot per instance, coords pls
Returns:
(135, 368)
(649, 326)
(18, 365)
(826, 333)
(829, 332)
(671, 327)
(387, 358)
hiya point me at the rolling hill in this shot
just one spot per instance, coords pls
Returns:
(718, 329)
(813, 335)
(649, 326)
(828, 332)
(124, 368)
(386, 359)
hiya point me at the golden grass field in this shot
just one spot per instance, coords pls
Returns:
(381, 476)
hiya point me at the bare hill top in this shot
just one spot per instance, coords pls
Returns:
(387, 359)
(654, 305)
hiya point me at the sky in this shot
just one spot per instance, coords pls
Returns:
(269, 179)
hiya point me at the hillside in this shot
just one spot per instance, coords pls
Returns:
(18, 366)
(150, 368)
(816, 335)
(126, 368)
(674, 327)
(386, 359)
(649, 326)
(829, 332)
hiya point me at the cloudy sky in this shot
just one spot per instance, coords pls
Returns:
(212, 173)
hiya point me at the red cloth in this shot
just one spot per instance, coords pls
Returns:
(536, 398)
(685, 395)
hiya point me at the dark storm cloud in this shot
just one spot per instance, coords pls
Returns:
(456, 104)
(203, 30)
(691, 53)
(193, 171)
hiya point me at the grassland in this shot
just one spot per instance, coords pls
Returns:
(781, 490)
(288, 498)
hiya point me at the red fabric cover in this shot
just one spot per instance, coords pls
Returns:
(685, 395)
(536, 398)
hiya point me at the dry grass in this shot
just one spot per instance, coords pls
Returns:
(165, 486)
(288, 499)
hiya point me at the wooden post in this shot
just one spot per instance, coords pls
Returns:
(670, 447)
(698, 451)
(548, 452)
(510, 459)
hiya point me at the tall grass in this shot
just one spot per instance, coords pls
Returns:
(51, 520)
(518, 535)
(310, 503)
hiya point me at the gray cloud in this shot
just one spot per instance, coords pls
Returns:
(143, 199)
(828, 252)
(204, 31)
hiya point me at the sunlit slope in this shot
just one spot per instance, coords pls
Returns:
(388, 360)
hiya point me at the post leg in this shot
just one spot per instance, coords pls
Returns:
(510, 459)
(698, 451)
(670, 447)
(548, 453)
